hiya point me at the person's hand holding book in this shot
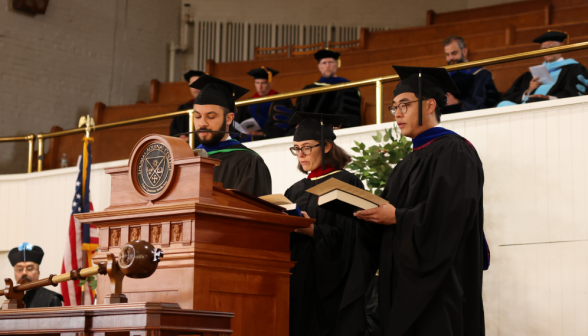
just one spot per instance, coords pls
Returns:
(384, 215)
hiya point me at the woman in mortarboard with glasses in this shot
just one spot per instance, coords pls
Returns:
(332, 270)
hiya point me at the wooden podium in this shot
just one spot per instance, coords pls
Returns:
(224, 251)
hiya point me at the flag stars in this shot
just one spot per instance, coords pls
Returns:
(75, 203)
(78, 183)
(79, 209)
(78, 196)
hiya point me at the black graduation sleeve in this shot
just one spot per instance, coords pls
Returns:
(180, 124)
(572, 79)
(257, 181)
(242, 114)
(429, 234)
(483, 93)
(516, 91)
(350, 106)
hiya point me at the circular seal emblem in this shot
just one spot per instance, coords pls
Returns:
(154, 168)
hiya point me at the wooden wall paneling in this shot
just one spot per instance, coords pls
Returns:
(569, 14)
(472, 14)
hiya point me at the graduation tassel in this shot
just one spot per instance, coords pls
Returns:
(420, 99)
(269, 74)
(322, 143)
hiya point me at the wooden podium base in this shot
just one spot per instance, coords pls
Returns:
(132, 319)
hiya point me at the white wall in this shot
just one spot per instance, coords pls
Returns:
(535, 201)
(384, 13)
(54, 67)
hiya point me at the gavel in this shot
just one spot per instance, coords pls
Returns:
(137, 259)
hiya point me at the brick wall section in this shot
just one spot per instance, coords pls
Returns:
(54, 67)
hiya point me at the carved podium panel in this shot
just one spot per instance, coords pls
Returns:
(224, 250)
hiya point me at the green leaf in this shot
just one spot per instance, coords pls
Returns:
(355, 149)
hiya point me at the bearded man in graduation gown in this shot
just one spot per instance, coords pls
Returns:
(26, 259)
(241, 168)
(570, 78)
(336, 258)
(180, 124)
(272, 117)
(476, 86)
(431, 256)
(345, 102)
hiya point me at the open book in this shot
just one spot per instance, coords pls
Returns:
(281, 200)
(343, 198)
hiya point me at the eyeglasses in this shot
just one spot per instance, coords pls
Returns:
(402, 107)
(306, 150)
(20, 269)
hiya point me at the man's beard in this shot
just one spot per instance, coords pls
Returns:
(215, 138)
(461, 60)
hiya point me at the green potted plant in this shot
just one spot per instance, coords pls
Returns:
(374, 165)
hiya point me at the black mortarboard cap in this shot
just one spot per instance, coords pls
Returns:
(326, 53)
(429, 82)
(551, 35)
(263, 73)
(191, 74)
(316, 126)
(214, 91)
(26, 252)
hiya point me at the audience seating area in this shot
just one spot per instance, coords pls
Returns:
(488, 32)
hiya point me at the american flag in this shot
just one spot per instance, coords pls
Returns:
(81, 237)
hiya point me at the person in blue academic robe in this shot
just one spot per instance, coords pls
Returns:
(346, 102)
(272, 117)
(569, 77)
(180, 124)
(476, 86)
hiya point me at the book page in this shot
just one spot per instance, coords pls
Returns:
(277, 199)
(542, 72)
(333, 184)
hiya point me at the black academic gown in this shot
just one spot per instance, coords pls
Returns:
(477, 91)
(333, 269)
(181, 124)
(41, 297)
(431, 260)
(566, 85)
(345, 102)
(243, 169)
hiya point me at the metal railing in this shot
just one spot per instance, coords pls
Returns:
(31, 139)
(378, 82)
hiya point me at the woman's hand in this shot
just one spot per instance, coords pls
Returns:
(309, 231)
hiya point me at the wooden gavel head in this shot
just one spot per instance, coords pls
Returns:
(139, 259)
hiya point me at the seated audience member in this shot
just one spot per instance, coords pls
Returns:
(569, 76)
(180, 124)
(476, 86)
(346, 102)
(26, 260)
(272, 117)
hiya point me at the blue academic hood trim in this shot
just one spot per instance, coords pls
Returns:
(429, 135)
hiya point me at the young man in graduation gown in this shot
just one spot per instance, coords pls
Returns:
(345, 102)
(431, 256)
(476, 86)
(180, 124)
(26, 260)
(336, 257)
(570, 78)
(240, 168)
(272, 117)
